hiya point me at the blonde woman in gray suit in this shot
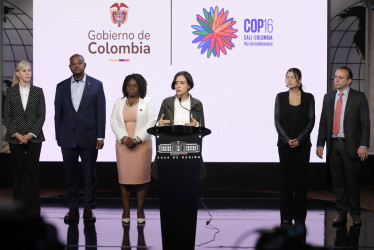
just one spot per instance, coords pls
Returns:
(24, 116)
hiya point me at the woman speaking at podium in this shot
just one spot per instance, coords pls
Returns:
(181, 109)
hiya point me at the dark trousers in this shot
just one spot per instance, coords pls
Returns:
(88, 160)
(345, 173)
(26, 185)
(294, 175)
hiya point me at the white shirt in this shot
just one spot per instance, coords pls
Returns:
(181, 115)
(77, 91)
(24, 92)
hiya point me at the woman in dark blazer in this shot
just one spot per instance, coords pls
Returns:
(294, 121)
(24, 115)
(181, 108)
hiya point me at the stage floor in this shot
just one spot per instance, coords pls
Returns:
(235, 224)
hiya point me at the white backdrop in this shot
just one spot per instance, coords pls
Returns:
(237, 89)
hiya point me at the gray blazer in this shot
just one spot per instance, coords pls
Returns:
(356, 122)
(167, 108)
(18, 120)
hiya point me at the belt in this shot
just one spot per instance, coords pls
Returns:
(339, 139)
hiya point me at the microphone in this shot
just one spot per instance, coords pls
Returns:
(180, 103)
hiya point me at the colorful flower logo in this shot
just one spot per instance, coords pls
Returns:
(215, 32)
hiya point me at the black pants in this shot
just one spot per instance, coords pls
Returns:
(88, 159)
(294, 175)
(26, 185)
(345, 173)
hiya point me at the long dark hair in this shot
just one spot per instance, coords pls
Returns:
(297, 74)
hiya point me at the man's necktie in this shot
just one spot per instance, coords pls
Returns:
(338, 112)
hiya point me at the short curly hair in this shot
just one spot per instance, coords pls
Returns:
(140, 80)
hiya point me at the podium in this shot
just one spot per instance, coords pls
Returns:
(178, 162)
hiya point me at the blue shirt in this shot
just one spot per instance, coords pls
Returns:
(344, 99)
(77, 89)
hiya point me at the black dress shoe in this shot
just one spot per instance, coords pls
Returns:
(88, 215)
(339, 219)
(72, 216)
(356, 220)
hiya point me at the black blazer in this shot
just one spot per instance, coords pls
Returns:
(167, 108)
(18, 120)
(285, 127)
(356, 122)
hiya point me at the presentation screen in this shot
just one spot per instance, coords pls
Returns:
(237, 52)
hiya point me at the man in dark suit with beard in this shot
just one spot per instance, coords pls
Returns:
(80, 132)
(345, 127)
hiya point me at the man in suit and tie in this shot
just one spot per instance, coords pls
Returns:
(345, 127)
(80, 132)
